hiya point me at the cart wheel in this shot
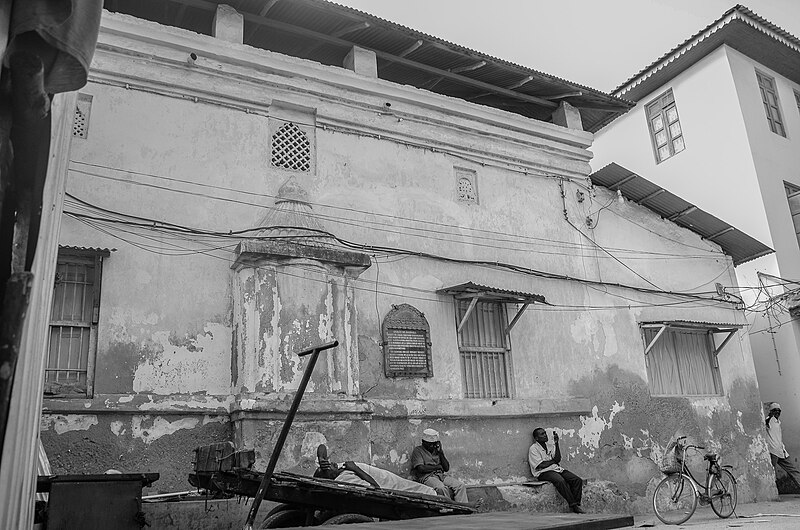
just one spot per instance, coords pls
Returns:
(345, 518)
(282, 508)
(285, 519)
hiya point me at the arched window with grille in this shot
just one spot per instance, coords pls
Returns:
(291, 148)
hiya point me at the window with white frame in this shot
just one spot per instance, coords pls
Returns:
(769, 96)
(665, 127)
(682, 362)
(484, 349)
(73, 323)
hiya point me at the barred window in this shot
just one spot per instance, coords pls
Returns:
(291, 148)
(73, 323)
(484, 350)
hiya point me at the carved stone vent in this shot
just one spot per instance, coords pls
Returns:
(80, 123)
(466, 188)
(291, 148)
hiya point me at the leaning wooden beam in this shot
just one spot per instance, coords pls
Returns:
(255, 19)
(517, 317)
(731, 333)
(470, 309)
(653, 342)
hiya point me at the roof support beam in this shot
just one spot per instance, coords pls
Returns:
(678, 215)
(521, 82)
(470, 309)
(414, 47)
(651, 195)
(564, 95)
(262, 13)
(467, 68)
(620, 182)
(350, 29)
(327, 39)
(721, 232)
(516, 317)
(731, 333)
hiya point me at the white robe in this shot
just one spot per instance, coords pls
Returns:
(385, 479)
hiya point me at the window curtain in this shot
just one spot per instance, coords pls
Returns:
(681, 363)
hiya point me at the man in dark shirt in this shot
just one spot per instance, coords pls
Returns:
(429, 466)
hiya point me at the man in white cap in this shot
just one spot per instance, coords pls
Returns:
(429, 466)
(777, 451)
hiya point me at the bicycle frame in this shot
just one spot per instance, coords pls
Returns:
(714, 469)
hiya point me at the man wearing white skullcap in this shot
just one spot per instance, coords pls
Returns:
(429, 466)
(777, 451)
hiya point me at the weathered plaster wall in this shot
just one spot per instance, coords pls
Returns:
(95, 443)
(185, 337)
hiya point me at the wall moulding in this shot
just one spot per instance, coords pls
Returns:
(123, 35)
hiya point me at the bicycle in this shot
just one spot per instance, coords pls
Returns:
(676, 496)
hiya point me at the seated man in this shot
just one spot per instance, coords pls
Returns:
(429, 466)
(365, 475)
(544, 466)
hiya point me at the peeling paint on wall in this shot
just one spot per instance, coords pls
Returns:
(73, 422)
(592, 427)
(118, 428)
(149, 431)
(198, 365)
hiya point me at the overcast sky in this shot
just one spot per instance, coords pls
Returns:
(598, 43)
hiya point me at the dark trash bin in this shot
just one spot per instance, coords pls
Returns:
(92, 502)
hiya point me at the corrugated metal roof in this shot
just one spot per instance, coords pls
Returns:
(493, 293)
(741, 29)
(714, 326)
(94, 250)
(735, 243)
(325, 32)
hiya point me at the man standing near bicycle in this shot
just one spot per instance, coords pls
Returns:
(544, 464)
(777, 451)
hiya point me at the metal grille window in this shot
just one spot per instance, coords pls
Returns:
(73, 324)
(682, 363)
(291, 148)
(769, 96)
(484, 350)
(665, 127)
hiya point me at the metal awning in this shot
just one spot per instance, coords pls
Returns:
(735, 243)
(709, 327)
(476, 293)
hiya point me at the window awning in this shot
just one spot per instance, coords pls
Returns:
(477, 293)
(708, 327)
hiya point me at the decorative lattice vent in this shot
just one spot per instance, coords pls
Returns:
(466, 188)
(80, 124)
(291, 148)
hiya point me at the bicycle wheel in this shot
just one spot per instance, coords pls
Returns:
(674, 500)
(723, 494)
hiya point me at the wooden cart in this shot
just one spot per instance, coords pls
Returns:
(307, 501)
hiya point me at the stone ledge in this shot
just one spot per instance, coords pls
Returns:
(487, 408)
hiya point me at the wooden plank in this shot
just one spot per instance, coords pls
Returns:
(508, 521)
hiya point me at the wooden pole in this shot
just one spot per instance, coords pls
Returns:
(287, 423)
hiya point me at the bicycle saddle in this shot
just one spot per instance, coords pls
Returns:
(711, 457)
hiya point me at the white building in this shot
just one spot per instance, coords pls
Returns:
(717, 121)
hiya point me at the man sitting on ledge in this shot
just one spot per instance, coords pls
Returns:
(544, 464)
